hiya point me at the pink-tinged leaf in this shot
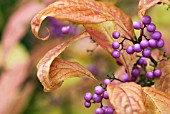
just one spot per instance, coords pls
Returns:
(126, 98)
(156, 102)
(163, 82)
(18, 24)
(52, 71)
(145, 5)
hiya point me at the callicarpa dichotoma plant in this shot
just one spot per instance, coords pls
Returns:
(145, 86)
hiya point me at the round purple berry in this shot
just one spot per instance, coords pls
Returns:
(149, 75)
(109, 110)
(135, 71)
(146, 52)
(106, 82)
(104, 108)
(151, 27)
(88, 96)
(137, 48)
(160, 43)
(105, 95)
(156, 35)
(144, 43)
(129, 50)
(157, 73)
(98, 90)
(87, 104)
(137, 25)
(116, 54)
(115, 45)
(146, 19)
(142, 61)
(97, 98)
(99, 111)
(116, 34)
(125, 78)
(65, 29)
(152, 43)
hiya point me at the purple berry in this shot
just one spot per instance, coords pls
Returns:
(116, 54)
(133, 78)
(156, 35)
(109, 110)
(146, 19)
(65, 29)
(144, 43)
(98, 90)
(97, 98)
(142, 61)
(152, 43)
(104, 108)
(88, 96)
(137, 48)
(151, 27)
(135, 71)
(106, 82)
(115, 45)
(149, 75)
(129, 50)
(125, 78)
(146, 52)
(116, 34)
(105, 95)
(87, 104)
(157, 73)
(160, 43)
(99, 111)
(137, 25)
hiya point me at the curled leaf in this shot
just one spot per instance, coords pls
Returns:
(144, 5)
(126, 98)
(52, 71)
(156, 102)
(163, 82)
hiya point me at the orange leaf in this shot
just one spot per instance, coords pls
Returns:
(126, 98)
(53, 71)
(163, 82)
(156, 102)
(144, 5)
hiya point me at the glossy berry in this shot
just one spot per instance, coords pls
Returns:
(106, 82)
(98, 90)
(125, 78)
(135, 72)
(116, 54)
(115, 45)
(88, 96)
(65, 29)
(99, 111)
(129, 50)
(87, 104)
(137, 48)
(144, 43)
(149, 75)
(151, 27)
(104, 108)
(105, 95)
(142, 61)
(156, 35)
(97, 98)
(152, 43)
(160, 43)
(146, 52)
(109, 110)
(146, 19)
(137, 25)
(157, 73)
(116, 34)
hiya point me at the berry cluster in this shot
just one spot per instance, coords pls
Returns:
(142, 46)
(100, 93)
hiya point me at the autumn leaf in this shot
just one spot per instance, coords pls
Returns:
(126, 98)
(144, 5)
(156, 102)
(163, 82)
(52, 71)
